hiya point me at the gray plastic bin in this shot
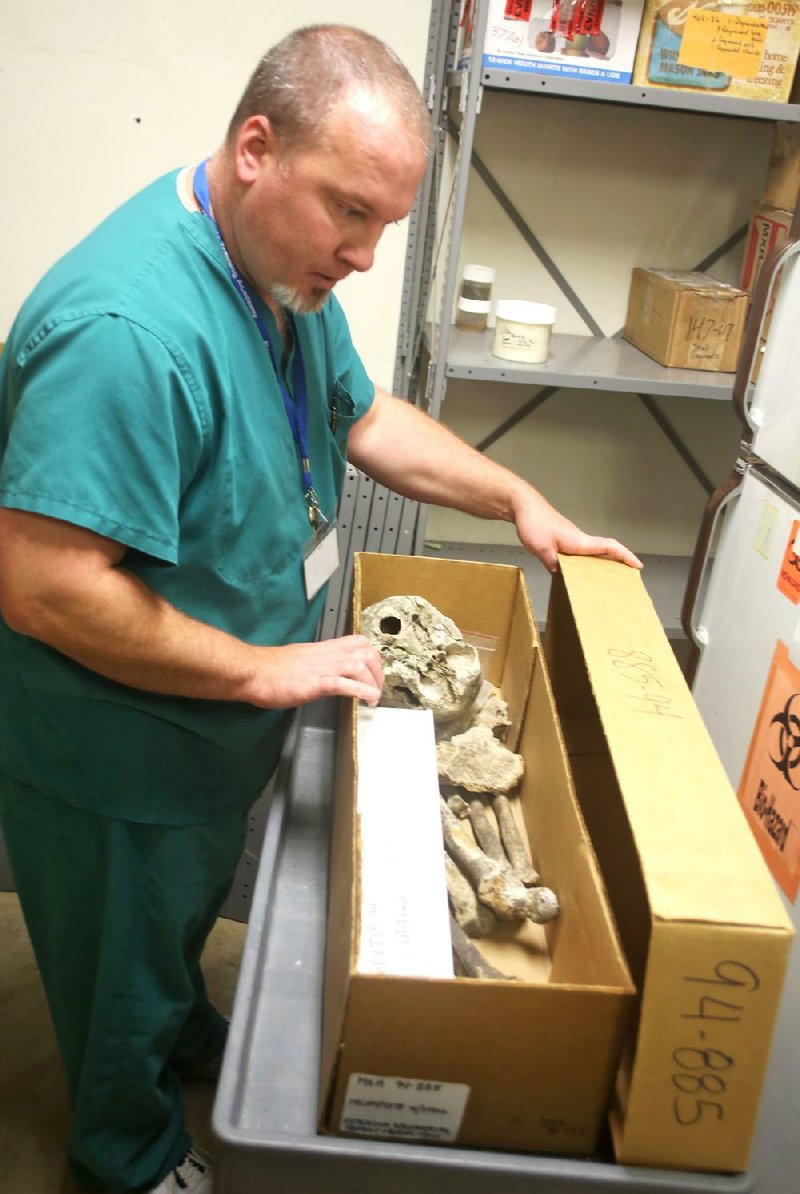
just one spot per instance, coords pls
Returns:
(266, 1105)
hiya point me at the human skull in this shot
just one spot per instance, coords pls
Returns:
(427, 664)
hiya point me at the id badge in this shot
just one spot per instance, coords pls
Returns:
(320, 558)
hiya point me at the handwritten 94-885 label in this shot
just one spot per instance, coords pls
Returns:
(643, 685)
(713, 1030)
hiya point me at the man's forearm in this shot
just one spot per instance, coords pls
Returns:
(69, 588)
(121, 629)
(414, 455)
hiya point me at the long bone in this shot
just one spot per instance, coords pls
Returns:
(495, 884)
(470, 959)
(482, 827)
(485, 832)
(515, 848)
(474, 917)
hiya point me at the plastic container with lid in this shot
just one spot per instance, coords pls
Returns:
(522, 332)
(476, 282)
(475, 298)
(472, 314)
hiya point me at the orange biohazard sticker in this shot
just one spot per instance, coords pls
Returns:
(769, 791)
(789, 575)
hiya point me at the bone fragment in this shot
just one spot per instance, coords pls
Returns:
(485, 832)
(544, 905)
(515, 848)
(458, 805)
(477, 762)
(491, 710)
(471, 961)
(495, 883)
(474, 917)
(488, 709)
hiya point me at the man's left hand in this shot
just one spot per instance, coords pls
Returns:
(546, 533)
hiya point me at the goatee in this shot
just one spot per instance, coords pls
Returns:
(291, 300)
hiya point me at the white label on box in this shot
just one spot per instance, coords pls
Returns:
(765, 529)
(404, 1108)
(404, 916)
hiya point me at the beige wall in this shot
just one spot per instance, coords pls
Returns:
(97, 97)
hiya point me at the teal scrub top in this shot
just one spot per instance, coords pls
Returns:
(139, 401)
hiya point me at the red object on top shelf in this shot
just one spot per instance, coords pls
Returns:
(572, 17)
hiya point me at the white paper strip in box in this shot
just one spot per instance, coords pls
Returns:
(405, 924)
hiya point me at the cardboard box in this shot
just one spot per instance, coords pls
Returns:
(768, 231)
(704, 929)
(526, 1065)
(769, 228)
(782, 187)
(685, 319)
(749, 53)
(519, 38)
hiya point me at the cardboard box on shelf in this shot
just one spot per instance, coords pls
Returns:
(526, 1065)
(769, 228)
(685, 319)
(520, 37)
(704, 929)
(749, 53)
(782, 186)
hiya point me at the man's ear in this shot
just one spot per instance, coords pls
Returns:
(257, 148)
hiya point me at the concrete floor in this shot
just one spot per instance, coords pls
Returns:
(33, 1101)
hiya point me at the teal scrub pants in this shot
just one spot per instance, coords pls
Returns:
(118, 913)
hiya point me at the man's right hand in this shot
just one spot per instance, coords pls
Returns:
(302, 672)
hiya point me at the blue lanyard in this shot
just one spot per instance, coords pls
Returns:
(297, 408)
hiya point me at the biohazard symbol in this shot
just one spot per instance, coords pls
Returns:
(789, 572)
(788, 722)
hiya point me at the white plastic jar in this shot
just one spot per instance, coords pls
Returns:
(522, 332)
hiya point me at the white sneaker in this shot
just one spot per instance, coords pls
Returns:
(191, 1176)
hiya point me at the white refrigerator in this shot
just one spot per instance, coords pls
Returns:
(742, 611)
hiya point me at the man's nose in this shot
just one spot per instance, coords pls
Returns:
(359, 255)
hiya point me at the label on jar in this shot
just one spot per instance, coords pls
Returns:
(524, 342)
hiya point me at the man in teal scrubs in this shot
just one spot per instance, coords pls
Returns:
(179, 397)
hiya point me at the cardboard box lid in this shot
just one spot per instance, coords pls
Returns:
(678, 799)
(699, 283)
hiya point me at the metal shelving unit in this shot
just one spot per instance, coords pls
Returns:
(594, 361)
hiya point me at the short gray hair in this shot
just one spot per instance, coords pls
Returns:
(298, 82)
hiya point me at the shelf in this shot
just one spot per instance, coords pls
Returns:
(629, 93)
(664, 577)
(583, 363)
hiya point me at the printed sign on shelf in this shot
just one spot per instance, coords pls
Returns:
(769, 791)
